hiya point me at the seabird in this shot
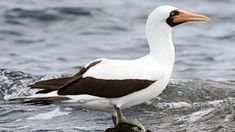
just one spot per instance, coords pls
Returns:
(110, 85)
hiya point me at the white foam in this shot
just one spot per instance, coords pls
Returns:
(197, 115)
(48, 115)
(216, 103)
(174, 105)
(228, 118)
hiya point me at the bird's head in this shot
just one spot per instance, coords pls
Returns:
(159, 25)
(174, 16)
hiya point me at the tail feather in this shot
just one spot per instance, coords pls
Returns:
(40, 100)
(46, 94)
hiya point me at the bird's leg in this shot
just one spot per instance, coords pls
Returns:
(122, 119)
(115, 120)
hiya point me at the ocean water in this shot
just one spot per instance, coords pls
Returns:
(46, 39)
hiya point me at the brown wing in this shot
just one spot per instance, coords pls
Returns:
(103, 88)
(50, 85)
(77, 85)
(55, 84)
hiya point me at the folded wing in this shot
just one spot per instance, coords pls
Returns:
(89, 80)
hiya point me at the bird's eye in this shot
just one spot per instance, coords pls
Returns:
(174, 13)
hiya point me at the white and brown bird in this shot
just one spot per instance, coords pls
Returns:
(110, 85)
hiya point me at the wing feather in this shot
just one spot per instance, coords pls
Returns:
(53, 84)
(103, 88)
(56, 83)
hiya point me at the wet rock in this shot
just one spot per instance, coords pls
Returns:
(123, 127)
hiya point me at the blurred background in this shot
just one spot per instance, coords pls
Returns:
(51, 37)
(41, 39)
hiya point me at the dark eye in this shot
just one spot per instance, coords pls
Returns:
(174, 13)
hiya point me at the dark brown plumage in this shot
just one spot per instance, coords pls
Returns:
(103, 88)
(57, 83)
(52, 84)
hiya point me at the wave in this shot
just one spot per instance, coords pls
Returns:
(195, 104)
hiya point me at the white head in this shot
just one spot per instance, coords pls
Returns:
(163, 18)
(159, 15)
(172, 16)
(159, 27)
(156, 23)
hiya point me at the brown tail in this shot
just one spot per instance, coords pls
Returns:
(40, 100)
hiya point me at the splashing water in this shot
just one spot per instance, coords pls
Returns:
(199, 105)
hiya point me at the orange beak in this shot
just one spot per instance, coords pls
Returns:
(185, 16)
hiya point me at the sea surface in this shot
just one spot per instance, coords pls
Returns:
(43, 39)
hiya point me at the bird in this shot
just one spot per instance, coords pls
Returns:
(110, 85)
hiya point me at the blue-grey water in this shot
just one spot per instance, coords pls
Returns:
(42, 39)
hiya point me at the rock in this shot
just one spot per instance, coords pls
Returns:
(123, 127)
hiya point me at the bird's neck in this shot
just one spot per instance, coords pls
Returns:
(160, 42)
